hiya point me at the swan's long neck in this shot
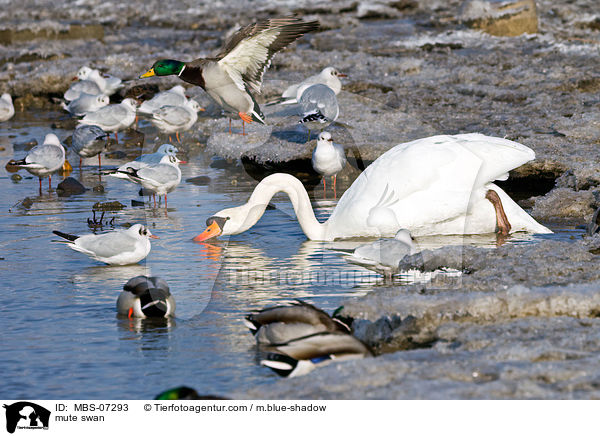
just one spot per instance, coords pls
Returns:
(280, 182)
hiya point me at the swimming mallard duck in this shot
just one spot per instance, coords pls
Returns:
(278, 324)
(144, 297)
(239, 66)
(301, 355)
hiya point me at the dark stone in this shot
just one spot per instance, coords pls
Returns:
(137, 203)
(98, 188)
(199, 180)
(70, 186)
(108, 205)
(16, 178)
(145, 192)
(10, 167)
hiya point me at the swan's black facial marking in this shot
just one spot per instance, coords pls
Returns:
(219, 220)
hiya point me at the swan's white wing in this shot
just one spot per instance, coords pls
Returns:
(498, 155)
(435, 180)
(432, 179)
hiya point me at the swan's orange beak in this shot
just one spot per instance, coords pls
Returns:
(211, 231)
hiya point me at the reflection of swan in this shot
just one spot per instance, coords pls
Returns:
(440, 182)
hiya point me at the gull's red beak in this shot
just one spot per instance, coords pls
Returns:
(153, 236)
(211, 231)
(342, 75)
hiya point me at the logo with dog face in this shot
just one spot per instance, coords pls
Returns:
(26, 415)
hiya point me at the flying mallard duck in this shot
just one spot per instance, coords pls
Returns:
(239, 67)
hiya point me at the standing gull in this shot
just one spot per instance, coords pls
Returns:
(86, 103)
(7, 110)
(175, 119)
(328, 159)
(42, 160)
(160, 179)
(318, 107)
(113, 117)
(108, 84)
(119, 247)
(145, 160)
(239, 66)
(172, 97)
(88, 141)
(329, 77)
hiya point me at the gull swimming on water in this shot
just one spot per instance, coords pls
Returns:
(119, 247)
(384, 254)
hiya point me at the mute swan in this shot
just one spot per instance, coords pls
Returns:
(431, 186)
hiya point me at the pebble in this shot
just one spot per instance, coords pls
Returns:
(16, 178)
(70, 186)
(199, 180)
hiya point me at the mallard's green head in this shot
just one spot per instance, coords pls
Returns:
(164, 67)
(180, 393)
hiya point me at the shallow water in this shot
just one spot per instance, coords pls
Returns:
(61, 337)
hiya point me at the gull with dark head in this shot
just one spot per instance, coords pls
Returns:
(119, 247)
(318, 107)
(329, 77)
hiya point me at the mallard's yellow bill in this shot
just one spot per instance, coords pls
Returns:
(149, 73)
